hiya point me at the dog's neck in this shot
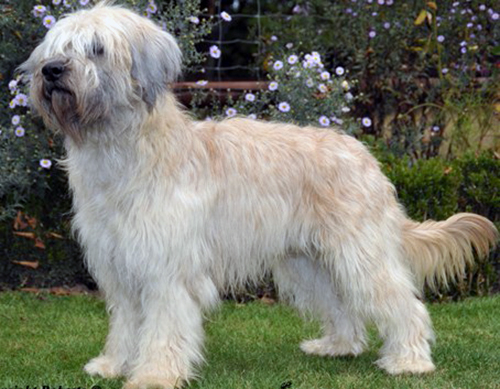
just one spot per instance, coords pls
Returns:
(161, 141)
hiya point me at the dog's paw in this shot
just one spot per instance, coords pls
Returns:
(150, 382)
(399, 365)
(328, 346)
(103, 366)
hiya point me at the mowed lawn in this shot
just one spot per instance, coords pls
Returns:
(45, 341)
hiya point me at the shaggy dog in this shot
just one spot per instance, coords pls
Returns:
(171, 211)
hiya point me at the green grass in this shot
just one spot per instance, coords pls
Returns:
(45, 340)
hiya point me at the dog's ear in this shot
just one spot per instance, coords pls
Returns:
(156, 62)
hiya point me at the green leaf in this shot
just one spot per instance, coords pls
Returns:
(495, 50)
(420, 18)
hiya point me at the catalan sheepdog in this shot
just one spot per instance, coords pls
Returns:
(172, 211)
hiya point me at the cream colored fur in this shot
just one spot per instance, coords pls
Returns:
(170, 211)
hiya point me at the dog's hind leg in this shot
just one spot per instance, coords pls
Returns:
(374, 281)
(309, 287)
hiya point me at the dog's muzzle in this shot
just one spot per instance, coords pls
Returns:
(52, 73)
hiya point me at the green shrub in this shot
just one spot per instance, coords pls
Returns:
(436, 189)
(479, 189)
(427, 188)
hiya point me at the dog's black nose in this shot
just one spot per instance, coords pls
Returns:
(53, 70)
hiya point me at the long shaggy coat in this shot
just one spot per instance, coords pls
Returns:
(170, 211)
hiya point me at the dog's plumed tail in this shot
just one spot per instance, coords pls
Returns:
(439, 252)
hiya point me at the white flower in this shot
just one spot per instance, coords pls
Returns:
(56, 2)
(293, 59)
(312, 60)
(387, 25)
(435, 128)
(366, 121)
(284, 106)
(372, 34)
(230, 112)
(495, 16)
(21, 99)
(39, 10)
(13, 103)
(323, 88)
(194, 19)
(16, 119)
(324, 121)
(215, 51)
(202, 82)
(325, 75)
(274, 38)
(278, 65)
(13, 86)
(252, 116)
(151, 8)
(84, 2)
(250, 97)
(273, 85)
(440, 38)
(316, 57)
(49, 21)
(224, 15)
(444, 70)
(348, 96)
(346, 109)
(345, 85)
(45, 163)
(19, 131)
(289, 45)
(310, 82)
(339, 71)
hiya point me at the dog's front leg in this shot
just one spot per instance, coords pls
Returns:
(170, 336)
(121, 341)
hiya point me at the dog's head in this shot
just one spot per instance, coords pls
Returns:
(96, 66)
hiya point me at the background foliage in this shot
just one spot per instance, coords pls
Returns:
(415, 80)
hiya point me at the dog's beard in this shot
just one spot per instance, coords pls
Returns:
(63, 104)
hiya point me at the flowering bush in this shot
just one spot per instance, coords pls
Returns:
(301, 89)
(417, 63)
